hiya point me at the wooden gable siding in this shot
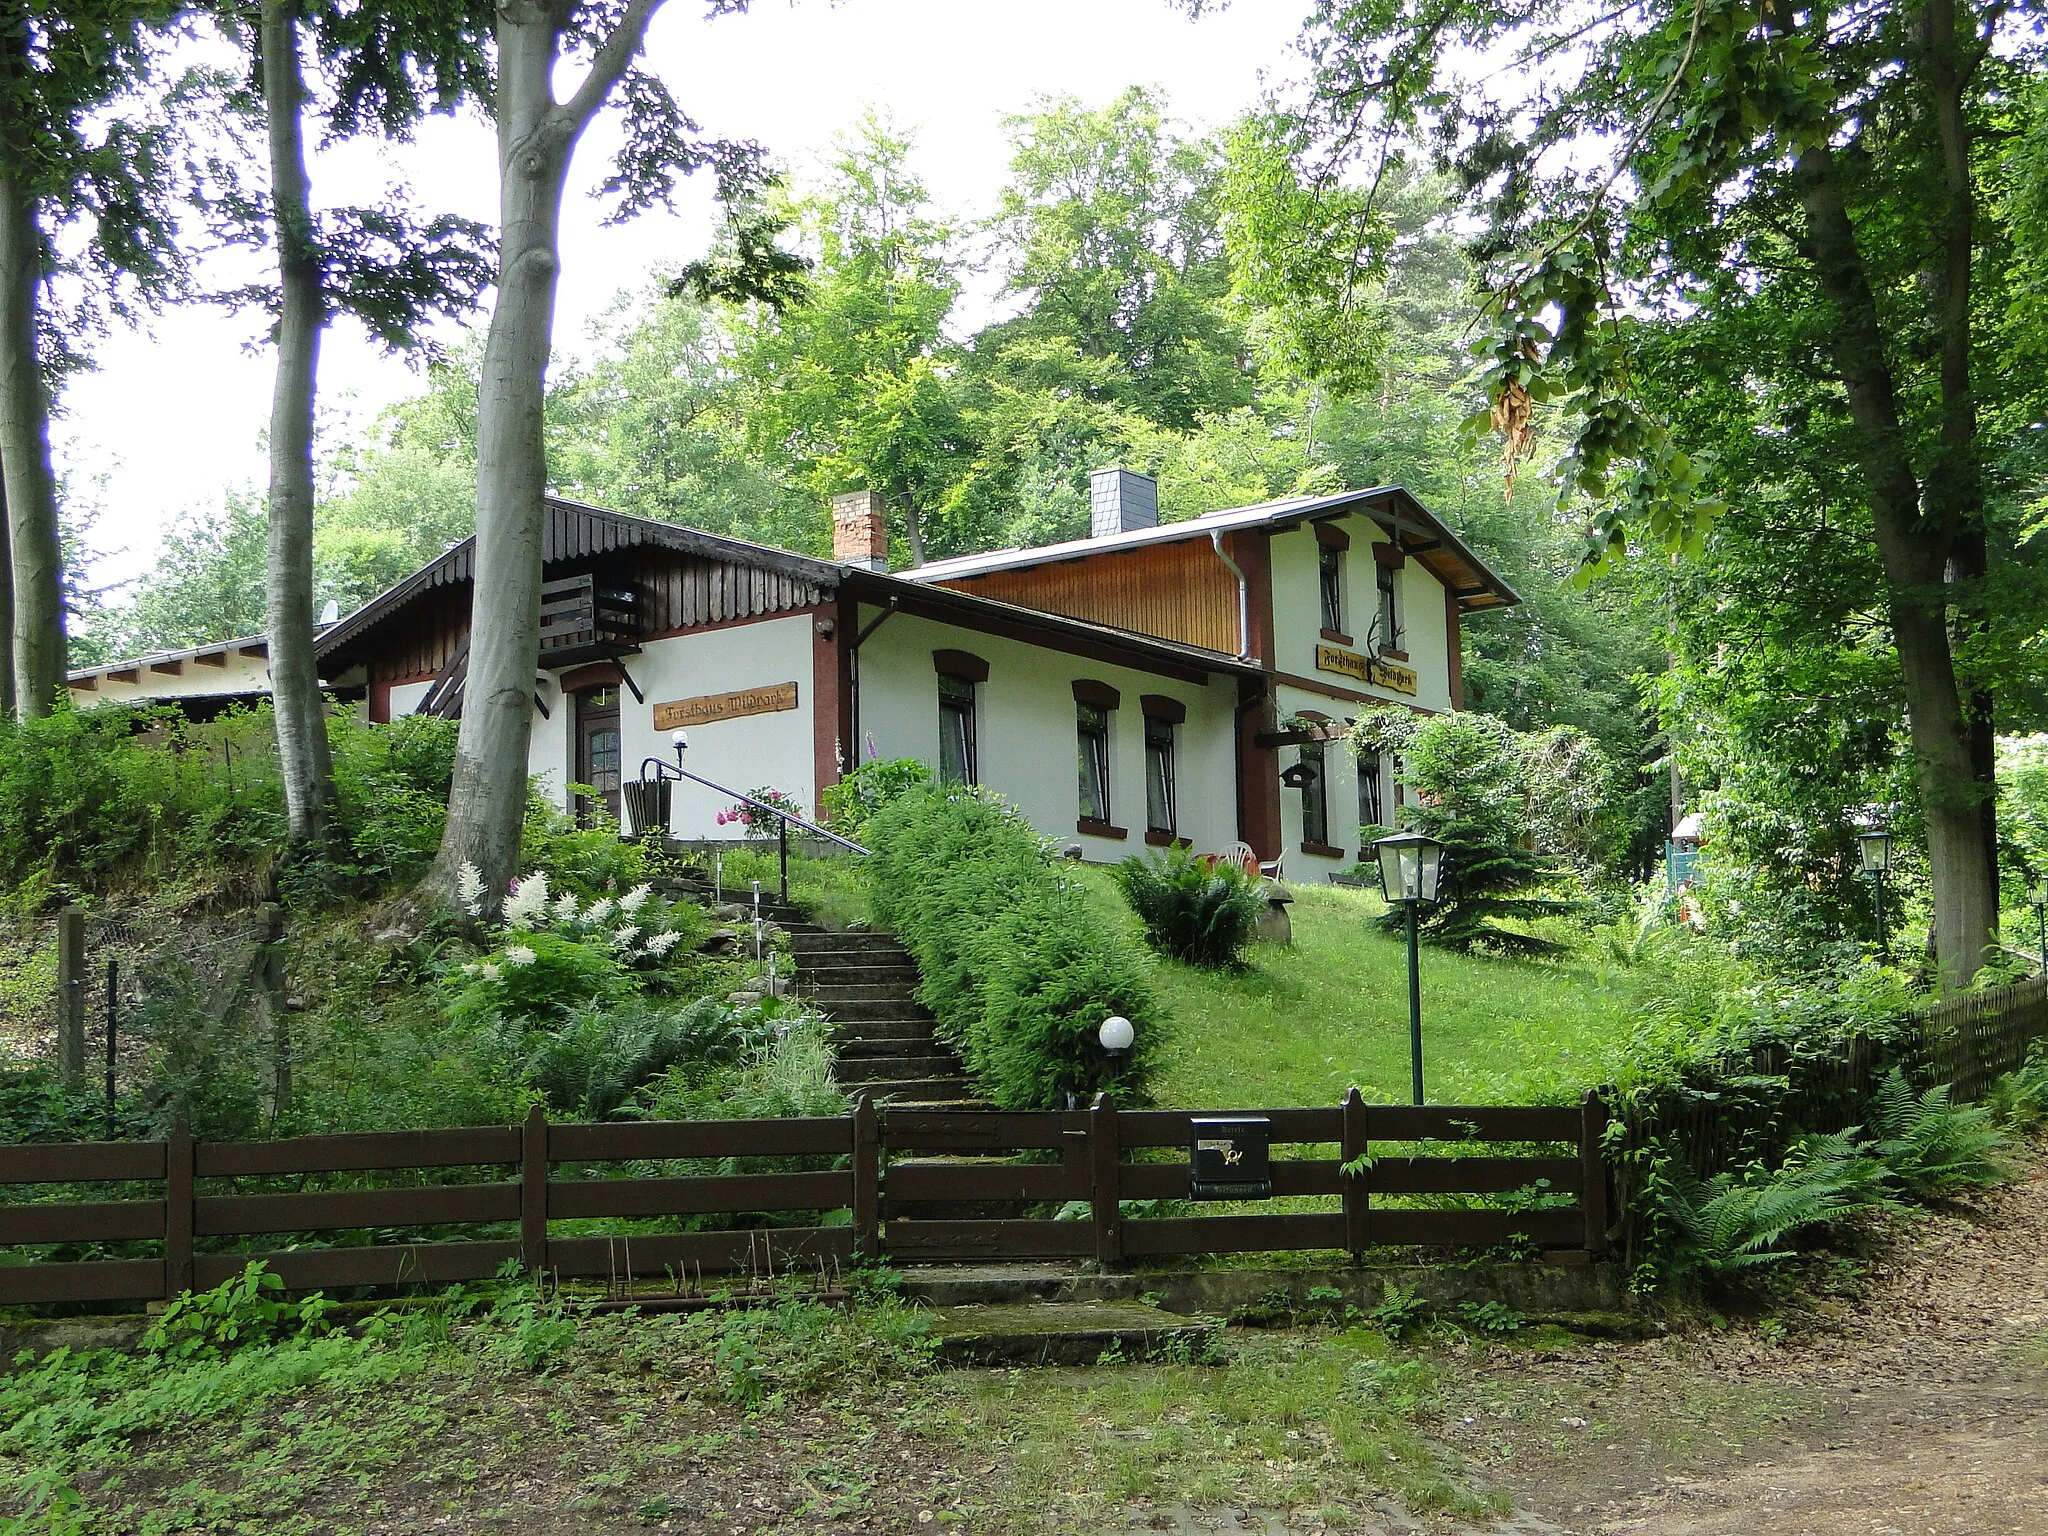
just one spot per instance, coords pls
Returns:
(678, 592)
(1177, 591)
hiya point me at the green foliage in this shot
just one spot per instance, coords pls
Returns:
(2020, 1098)
(768, 1355)
(249, 1309)
(1019, 965)
(1494, 1317)
(1198, 914)
(537, 978)
(1734, 1224)
(1397, 1312)
(1932, 1147)
(863, 793)
(591, 1062)
(1469, 788)
(782, 1069)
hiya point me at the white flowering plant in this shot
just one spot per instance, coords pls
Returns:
(637, 929)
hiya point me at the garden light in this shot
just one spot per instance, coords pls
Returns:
(1411, 866)
(1299, 776)
(1116, 1035)
(1411, 872)
(1876, 848)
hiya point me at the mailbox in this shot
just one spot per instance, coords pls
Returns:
(1227, 1158)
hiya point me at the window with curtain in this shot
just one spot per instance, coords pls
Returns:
(1091, 726)
(1369, 802)
(957, 764)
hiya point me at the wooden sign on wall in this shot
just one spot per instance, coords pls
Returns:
(1383, 674)
(703, 710)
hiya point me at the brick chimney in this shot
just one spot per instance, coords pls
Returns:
(860, 530)
(1120, 500)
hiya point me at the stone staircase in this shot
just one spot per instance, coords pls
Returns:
(866, 984)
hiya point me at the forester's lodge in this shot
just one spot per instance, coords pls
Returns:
(1183, 667)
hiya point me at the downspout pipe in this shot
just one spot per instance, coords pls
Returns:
(1244, 596)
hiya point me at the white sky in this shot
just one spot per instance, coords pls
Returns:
(172, 417)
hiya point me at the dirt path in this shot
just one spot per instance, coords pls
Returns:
(1919, 1408)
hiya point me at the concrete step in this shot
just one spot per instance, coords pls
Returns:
(833, 993)
(878, 1010)
(909, 1043)
(930, 1091)
(857, 967)
(931, 1066)
(854, 940)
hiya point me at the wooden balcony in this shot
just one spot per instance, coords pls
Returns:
(583, 619)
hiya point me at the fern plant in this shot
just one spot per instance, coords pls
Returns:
(2020, 1098)
(1192, 912)
(1934, 1147)
(1731, 1225)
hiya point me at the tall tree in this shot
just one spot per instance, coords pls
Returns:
(1831, 175)
(389, 65)
(537, 138)
(78, 156)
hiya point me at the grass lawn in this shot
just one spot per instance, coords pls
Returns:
(1306, 1022)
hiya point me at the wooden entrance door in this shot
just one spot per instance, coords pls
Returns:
(599, 750)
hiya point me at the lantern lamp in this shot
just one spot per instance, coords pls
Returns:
(1876, 847)
(1411, 866)
(1299, 775)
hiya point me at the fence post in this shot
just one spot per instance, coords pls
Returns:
(867, 1178)
(178, 1203)
(1103, 1180)
(71, 994)
(533, 1192)
(1593, 1171)
(1355, 1187)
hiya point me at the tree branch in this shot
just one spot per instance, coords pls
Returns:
(614, 57)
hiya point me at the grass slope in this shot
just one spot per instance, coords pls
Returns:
(1305, 1022)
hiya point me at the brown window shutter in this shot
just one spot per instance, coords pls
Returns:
(1330, 536)
(1157, 706)
(1096, 695)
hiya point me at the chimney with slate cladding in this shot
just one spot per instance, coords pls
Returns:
(1120, 500)
(860, 530)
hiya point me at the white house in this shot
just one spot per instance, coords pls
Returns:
(1146, 685)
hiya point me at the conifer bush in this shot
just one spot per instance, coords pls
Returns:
(1204, 915)
(1019, 967)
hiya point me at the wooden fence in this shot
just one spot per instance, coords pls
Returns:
(893, 1191)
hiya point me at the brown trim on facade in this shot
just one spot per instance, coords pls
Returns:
(1330, 536)
(1157, 706)
(599, 674)
(1258, 771)
(124, 675)
(1392, 655)
(964, 665)
(827, 705)
(1252, 549)
(749, 618)
(1389, 555)
(212, 659)
(1454, 648)
(1096, 695)
(175, 667)
(87, 684)
(1089, 827)
(1329, 730)
(1154, 838)
(1337, 637)
(846, 695)
(380, 703)
(1350, 695)
(1322, 850)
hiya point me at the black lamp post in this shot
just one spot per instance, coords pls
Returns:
(1411, 870)
(1875, 845)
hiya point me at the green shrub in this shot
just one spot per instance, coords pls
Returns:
(1203, 915)
(1933, 1147)
(868, 790)
(536, 978)
(2020, 1097)
(600, 1055)
(1733, 1224)
(783, 1070)
(1018, 965)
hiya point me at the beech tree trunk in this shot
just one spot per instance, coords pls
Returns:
(6, 604)
(35, 551)
(302, 317)
(1956, 791)
(537, 138)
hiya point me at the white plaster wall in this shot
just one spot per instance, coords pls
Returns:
(746, 754)
(406, 697)
(1025, 727)
(1297, 612)
(242, 674)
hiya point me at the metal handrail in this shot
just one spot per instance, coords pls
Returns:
(663, 768)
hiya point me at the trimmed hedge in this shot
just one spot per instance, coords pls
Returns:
(1019, 966)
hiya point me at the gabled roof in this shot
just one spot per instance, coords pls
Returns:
(1406, 520)
(573, 531)
(218, 653)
